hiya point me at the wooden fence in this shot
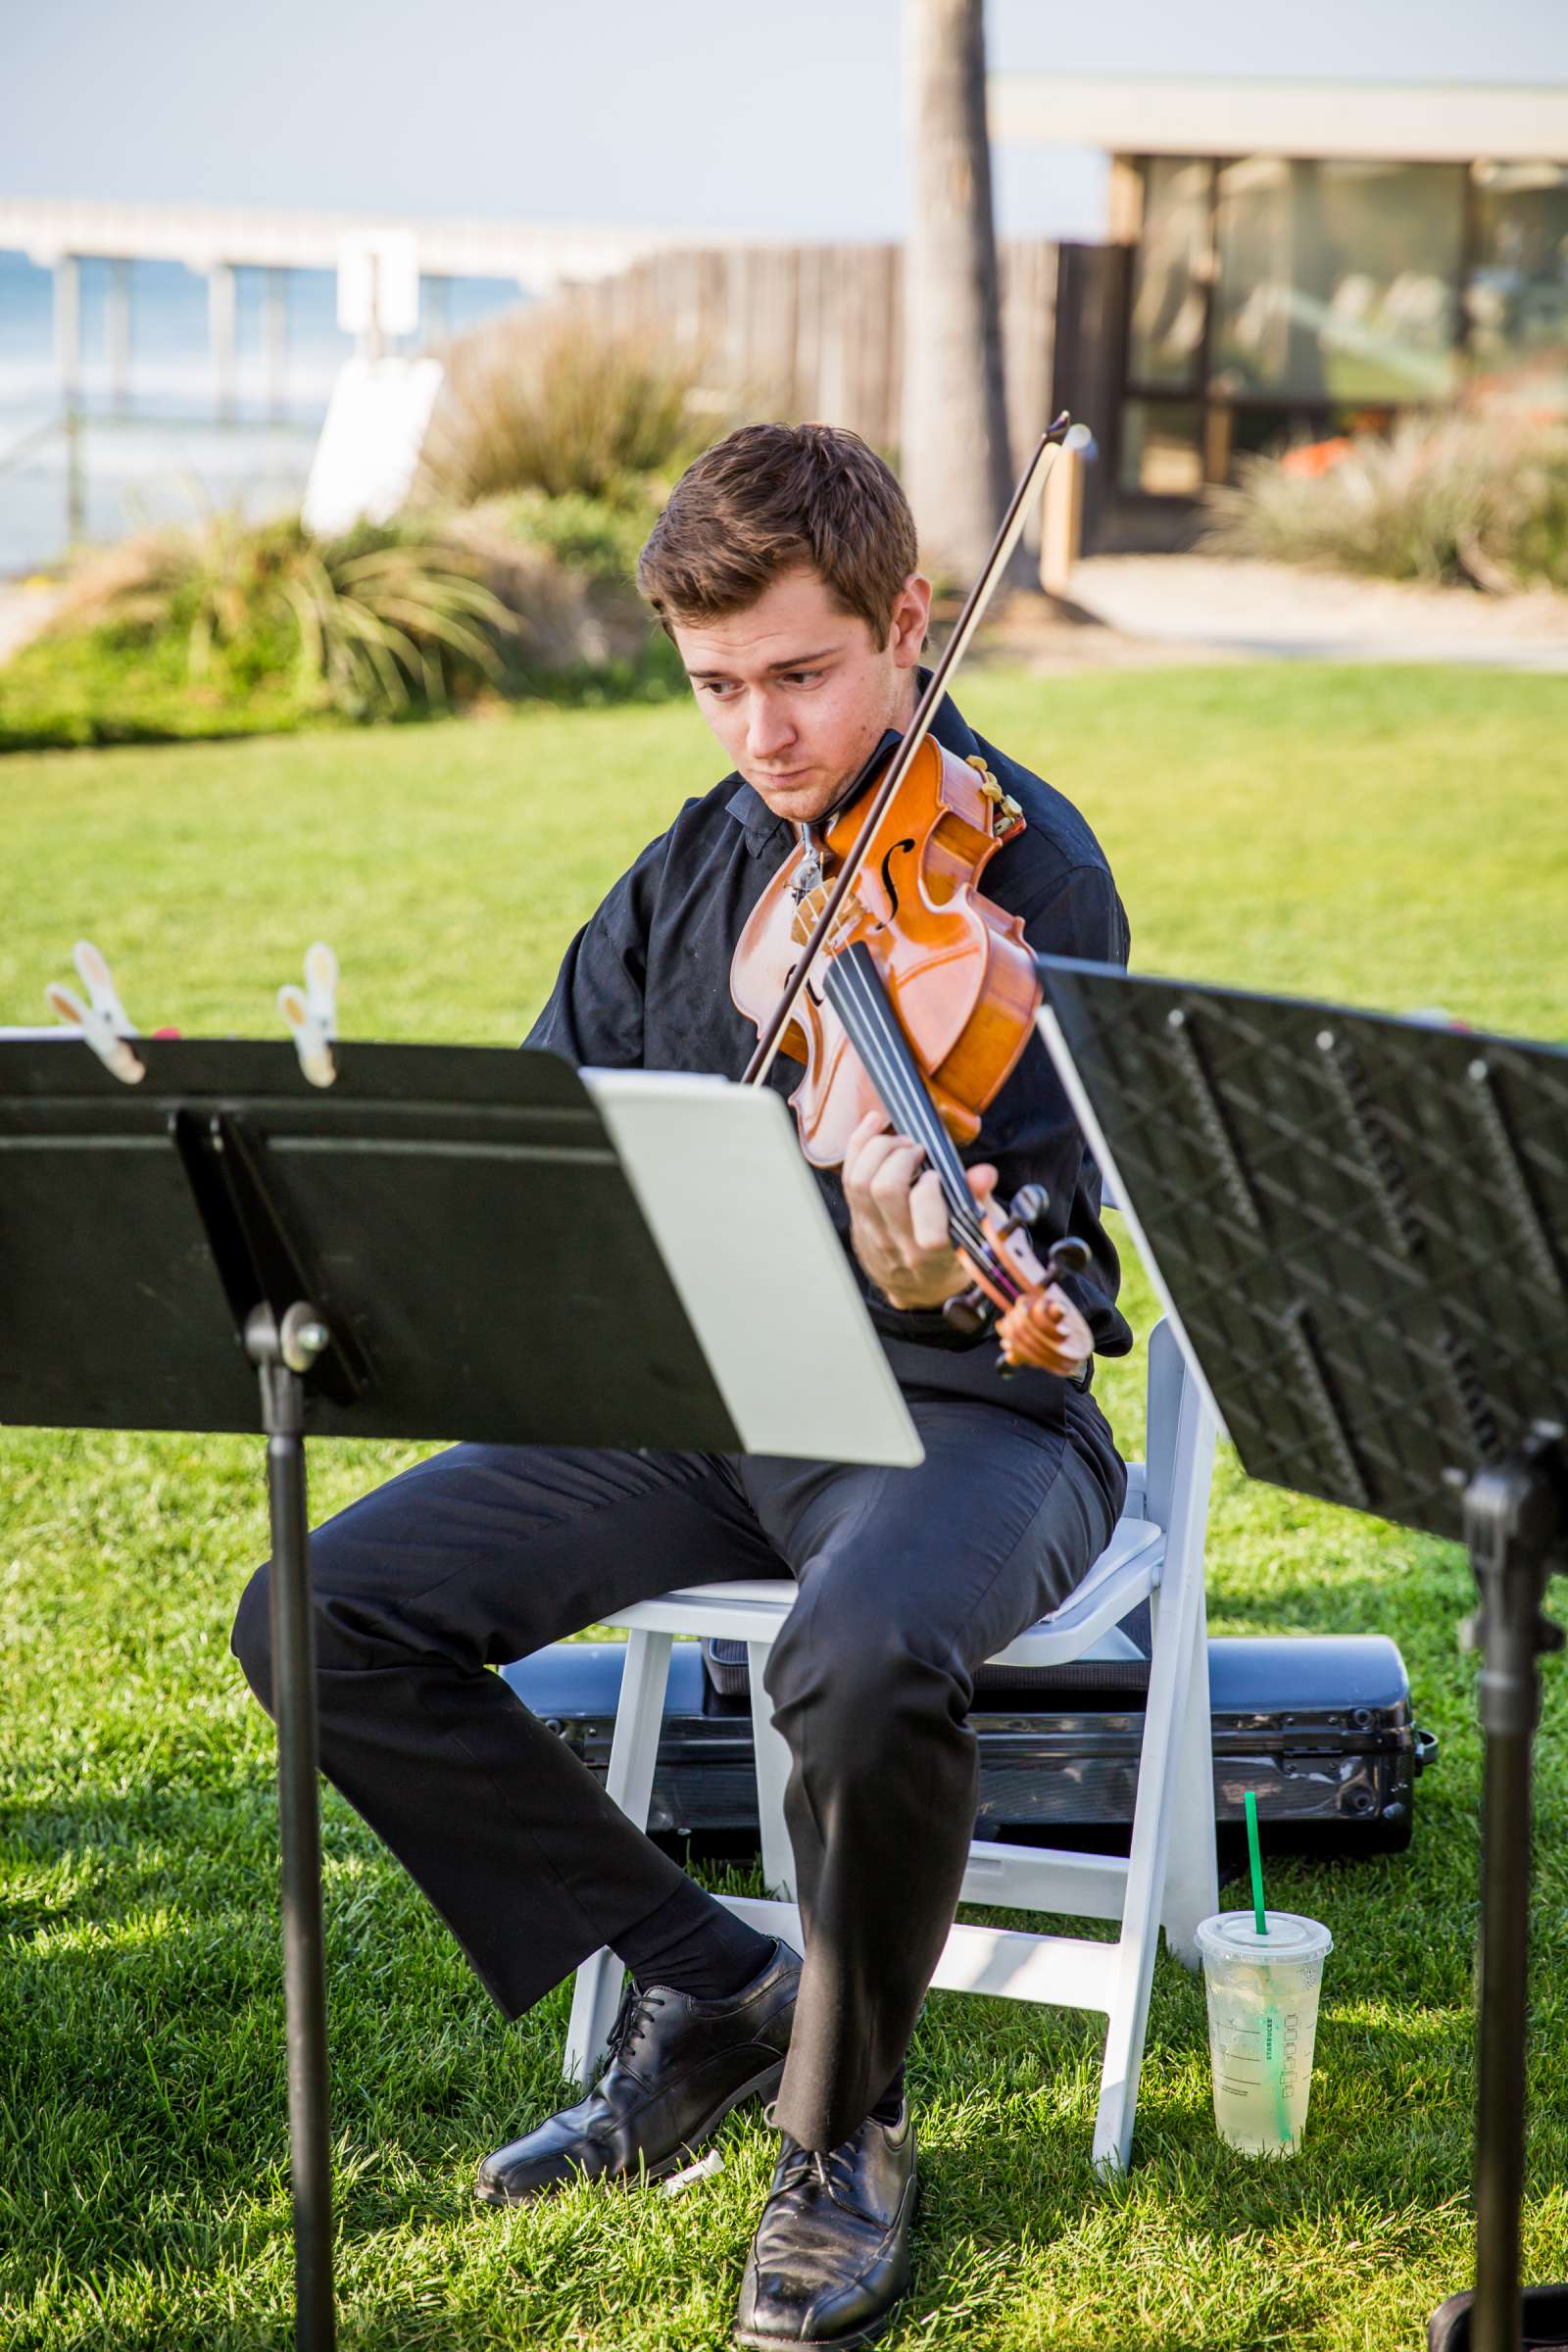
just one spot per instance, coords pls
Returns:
(816, 330)
(793, 332)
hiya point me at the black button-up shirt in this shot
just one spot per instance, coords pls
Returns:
(645, 985)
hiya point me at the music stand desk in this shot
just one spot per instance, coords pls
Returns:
(447, 1241)
(1360, 1228)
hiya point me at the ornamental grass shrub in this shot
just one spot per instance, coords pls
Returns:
(566, 568)
(1470, 499)
(543, 402)
(232, 626)
(368, 624)
(600, 537)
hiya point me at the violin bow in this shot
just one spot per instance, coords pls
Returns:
(1062, 433)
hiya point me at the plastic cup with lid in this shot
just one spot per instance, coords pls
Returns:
(1262, 2022)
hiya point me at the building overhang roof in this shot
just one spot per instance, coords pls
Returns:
(1389, 122)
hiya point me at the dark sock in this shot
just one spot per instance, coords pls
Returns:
(890, 2106)
(694, 1944)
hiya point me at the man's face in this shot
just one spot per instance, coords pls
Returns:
(798, 693)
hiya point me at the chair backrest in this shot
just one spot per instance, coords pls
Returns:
(1151, 1482)
(1167, 1382)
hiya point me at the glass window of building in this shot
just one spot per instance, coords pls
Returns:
(1516, 296)
(1170, 271)
(1161, 449)
(1337, 280)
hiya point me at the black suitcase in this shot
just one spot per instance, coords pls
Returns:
(1319, 1727)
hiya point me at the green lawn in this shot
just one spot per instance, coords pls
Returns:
(1389, 837)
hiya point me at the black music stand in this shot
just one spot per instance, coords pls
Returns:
(1359, 1226)
(446, 1242)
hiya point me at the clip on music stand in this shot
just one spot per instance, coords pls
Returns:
(1359, 1226)
(447, 1241)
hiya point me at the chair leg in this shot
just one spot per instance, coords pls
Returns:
(633, 1754)
(1177, 1613)
(1191, 1873)
(773, 1763)
(1133, 1964)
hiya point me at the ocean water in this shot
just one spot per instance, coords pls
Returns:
(156, 448)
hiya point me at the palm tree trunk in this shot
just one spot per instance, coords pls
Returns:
(956, 463)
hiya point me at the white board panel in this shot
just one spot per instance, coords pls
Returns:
(741, 1226)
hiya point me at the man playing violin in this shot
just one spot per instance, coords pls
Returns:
(784, 570)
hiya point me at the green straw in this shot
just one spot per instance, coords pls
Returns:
(1260, 1916)
(1273, 2023)
(1274, 2060)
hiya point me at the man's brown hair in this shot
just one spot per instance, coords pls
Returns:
(768, 497)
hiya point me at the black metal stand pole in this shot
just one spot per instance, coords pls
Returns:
(1512, 1518)
(282, 1352)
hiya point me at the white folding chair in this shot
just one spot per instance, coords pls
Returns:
(1167, 1879)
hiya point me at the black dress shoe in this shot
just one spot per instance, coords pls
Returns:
(676, 2067)
(830, 2261)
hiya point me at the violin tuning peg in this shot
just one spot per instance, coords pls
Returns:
(1011, 809)
(1028, 1205)
(969, 1312)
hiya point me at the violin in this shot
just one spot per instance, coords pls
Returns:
(873, 957)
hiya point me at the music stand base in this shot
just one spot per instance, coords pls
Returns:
(1542, 2322)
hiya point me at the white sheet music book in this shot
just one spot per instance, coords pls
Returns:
(742, 1228)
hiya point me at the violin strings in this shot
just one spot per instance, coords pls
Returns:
(912, 1109)
(887, 1046)
(964, 1220)
(853, 987)
(911, 1114)
(904, 1094)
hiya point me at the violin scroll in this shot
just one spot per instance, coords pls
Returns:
(1027, 1325)
(1028, 1331)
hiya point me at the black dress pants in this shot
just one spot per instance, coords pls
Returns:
(907, 1580)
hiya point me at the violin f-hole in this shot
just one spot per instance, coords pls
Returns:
(888, 883)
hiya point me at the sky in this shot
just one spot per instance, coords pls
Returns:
(722, 115)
